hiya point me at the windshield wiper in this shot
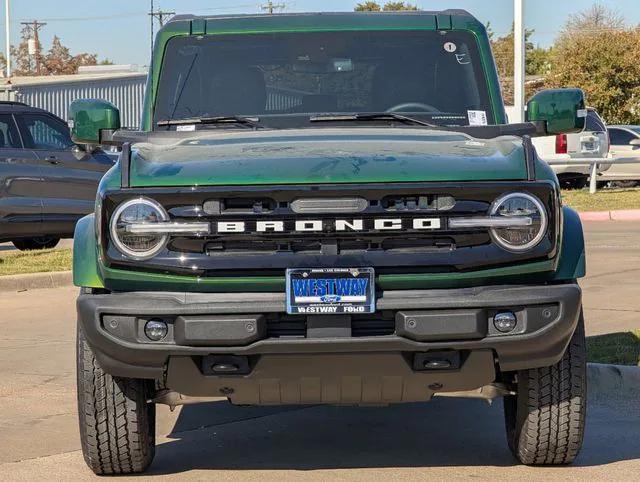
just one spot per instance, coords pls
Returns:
(253, 122)
(371, 116)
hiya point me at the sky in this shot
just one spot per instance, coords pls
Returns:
(119, 29)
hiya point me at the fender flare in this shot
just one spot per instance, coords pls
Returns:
(86, 272)
(572, 264)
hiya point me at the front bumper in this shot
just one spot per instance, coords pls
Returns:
(205, 325)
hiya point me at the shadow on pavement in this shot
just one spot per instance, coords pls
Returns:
(442, 433)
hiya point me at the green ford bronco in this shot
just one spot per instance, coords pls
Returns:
(328, 209)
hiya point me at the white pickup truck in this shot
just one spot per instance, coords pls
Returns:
(592, 143)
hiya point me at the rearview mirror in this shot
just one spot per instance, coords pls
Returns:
(93, 121)
(561, 110)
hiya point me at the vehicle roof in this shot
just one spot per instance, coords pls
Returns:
(266, 16)
(308, 22)
(13, 107)
(624, 126)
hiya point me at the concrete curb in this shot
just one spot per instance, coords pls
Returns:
(613, 381)
(34, 281)
(624, 215)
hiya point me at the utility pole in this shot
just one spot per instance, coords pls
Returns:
(161, 15)
(520, 51)
(34, 28)
(270, 7)
(7, 37)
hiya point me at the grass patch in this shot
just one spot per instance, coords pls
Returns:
(603, 200)
(22, 262)
(617, 348)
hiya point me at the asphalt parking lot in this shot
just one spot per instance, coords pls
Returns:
(451, 439)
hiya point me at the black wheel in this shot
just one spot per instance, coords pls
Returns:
(29, 244)
(573, 181)
(117, 424)
(625, 184)
(545, 421)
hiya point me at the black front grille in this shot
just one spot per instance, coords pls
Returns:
(290, 326)
(270, 252)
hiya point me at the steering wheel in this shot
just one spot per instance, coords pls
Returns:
(412, 107)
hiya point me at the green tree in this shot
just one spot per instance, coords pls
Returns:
(538, 59)
(371, 6)
(598, 54)
(368, 7)
(58, 60)
(23, 63)
(598, 17)
(83, 59)
(399, 7)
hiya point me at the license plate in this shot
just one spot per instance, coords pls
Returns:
(330, 291)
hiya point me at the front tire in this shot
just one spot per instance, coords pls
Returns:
(31, 244)
(117, 424)
(545, 421)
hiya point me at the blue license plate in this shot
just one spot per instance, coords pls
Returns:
(330, 291)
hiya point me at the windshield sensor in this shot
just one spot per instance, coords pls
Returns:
(251, 122)
(371, 116)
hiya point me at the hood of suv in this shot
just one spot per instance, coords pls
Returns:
(324, 156)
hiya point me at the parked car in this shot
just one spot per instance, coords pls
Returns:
(593, 143)
(47, 182)
(625, 144)
(329, 212)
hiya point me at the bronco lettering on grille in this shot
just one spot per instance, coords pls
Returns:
(337, 225)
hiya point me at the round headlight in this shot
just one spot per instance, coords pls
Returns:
(138, 211)
(519, 237)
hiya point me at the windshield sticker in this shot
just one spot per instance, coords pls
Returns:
(450, 47)
(478, 118)
(186, 128)
(448, 117)
(463, 59)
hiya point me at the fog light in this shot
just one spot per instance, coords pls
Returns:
(505, 321)
(155, 330)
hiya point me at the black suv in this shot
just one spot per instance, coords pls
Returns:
(47, 182)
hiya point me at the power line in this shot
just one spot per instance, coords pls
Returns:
(270, 7)
(97, 17)
(33, 28)
(131, 14)
(161, 15)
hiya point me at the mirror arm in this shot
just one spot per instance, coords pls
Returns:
(532, 129)
(125, 164)
(108, 138)
(541, 128)
(529, 157)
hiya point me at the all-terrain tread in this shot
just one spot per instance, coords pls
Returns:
(117, 424)
(546, 420)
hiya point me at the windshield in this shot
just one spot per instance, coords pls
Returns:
(435, 76)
